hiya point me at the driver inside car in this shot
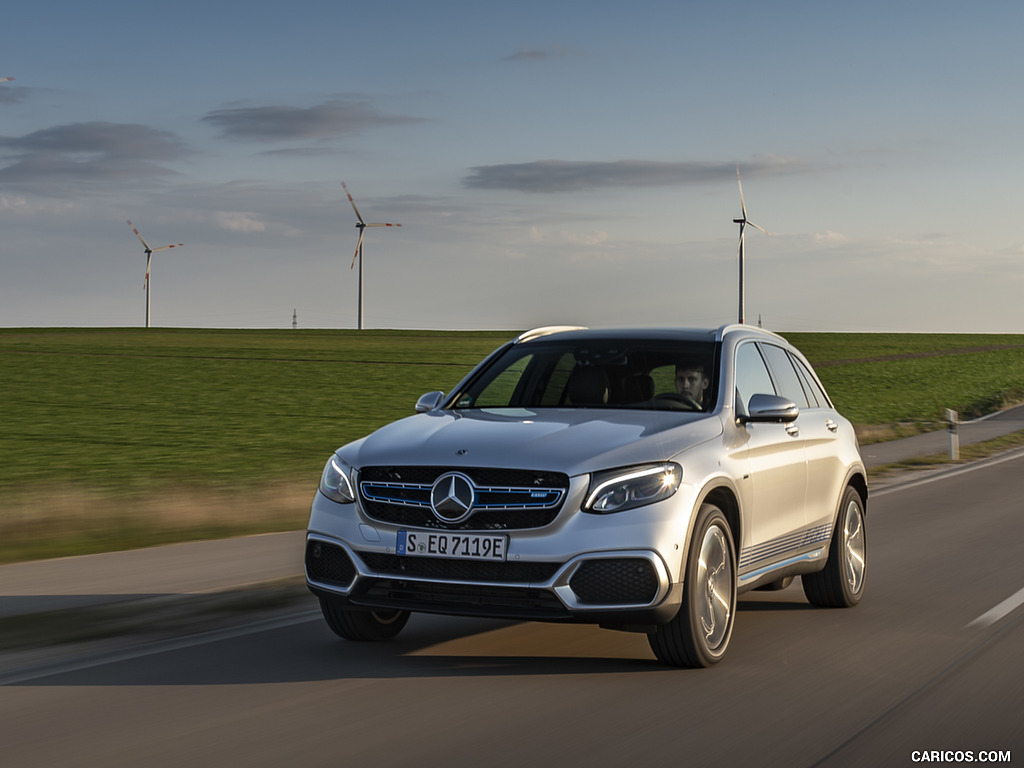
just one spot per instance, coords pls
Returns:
(692, 382)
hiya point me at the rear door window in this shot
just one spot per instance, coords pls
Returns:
(814, 390)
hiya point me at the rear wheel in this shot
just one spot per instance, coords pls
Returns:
(362, 625)
(841, 583)
(699, 634)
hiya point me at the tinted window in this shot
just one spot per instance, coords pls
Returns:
(814, 390)
(594, 373)
(500, 389)
(785, 374)
(751, 376)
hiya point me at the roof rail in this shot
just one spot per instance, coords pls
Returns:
(720, 333)
(547, 330)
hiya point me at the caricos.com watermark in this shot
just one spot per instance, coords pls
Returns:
(960, 756)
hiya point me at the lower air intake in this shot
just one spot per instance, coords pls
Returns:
(619, 581)
(328, 564)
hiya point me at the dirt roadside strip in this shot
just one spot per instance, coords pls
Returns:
(192, 587)
(147, 593)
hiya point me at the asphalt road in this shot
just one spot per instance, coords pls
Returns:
(929, 662)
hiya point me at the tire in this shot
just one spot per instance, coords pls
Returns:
(699, 634)
(362, 626)
(840, 584)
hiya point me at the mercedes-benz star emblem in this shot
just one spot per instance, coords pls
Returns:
(451, 497)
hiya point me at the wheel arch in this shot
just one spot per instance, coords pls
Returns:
(726, 499)
(860, 482)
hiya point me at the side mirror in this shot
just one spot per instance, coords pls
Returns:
(429, 402)
(770, 409)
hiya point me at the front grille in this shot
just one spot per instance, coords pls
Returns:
(619, 581)
(329, 564)
(459, 570)
(460, 599)
(504, 499)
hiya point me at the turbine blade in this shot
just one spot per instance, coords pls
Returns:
(359, 248)
(165, 247)
(743, 205)
(762, 229)
(144, 243)
(149, 261)
(359, 216)
(379, 224)
(6, 79)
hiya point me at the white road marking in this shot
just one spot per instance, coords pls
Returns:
(1011, 603)
(982, 464)
(999, 612)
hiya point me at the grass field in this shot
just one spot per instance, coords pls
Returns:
(882, 380)
(121, 437)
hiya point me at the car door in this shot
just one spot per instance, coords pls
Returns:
(826, 473)
(817, 429)
(775, 481)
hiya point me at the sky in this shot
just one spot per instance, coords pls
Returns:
(549, 162)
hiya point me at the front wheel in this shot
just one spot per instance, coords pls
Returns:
(699, 634)
(840, 584)
(362, 625)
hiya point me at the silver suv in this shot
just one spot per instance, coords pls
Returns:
(635, 479)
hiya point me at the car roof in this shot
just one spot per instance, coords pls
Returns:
(580, 333)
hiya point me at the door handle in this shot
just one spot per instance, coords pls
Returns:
(792, 430)
(831, 426)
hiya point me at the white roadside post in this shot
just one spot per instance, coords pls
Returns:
(952, 422)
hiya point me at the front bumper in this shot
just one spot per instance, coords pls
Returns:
(621, 587)
(564, 572)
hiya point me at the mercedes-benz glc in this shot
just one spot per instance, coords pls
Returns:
(635, 479)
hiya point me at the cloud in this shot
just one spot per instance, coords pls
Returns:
(571, 238)
(239, 221)
(577, 176)
(299, 152)
(86, 153)
(114, 140)
(828, 237)
(279, 123)
(537, 54)
(10, 94)
(19, 204)
(583, 238)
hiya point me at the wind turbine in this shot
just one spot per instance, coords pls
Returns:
(744, 222)
(361, 226)
(149, 260)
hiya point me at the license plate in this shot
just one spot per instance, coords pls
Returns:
(461, 546)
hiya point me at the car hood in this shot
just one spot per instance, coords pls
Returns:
(573, 441)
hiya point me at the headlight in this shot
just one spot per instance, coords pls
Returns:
(335, 483)
(621, 489)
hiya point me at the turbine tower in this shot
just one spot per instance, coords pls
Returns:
(149, 260)
(361, 226)
(744, 222)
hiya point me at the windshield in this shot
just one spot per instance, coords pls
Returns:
(594, 373)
